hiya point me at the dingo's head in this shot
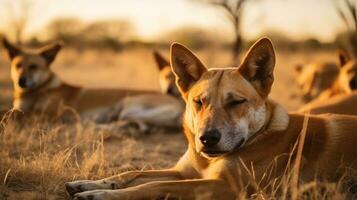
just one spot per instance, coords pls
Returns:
(30, 69)
(167, 78)
(347, 78)
(224, 106)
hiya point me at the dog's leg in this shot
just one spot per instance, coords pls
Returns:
(123, 180)
(183, 189)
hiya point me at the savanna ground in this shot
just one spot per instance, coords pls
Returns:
(38, 157)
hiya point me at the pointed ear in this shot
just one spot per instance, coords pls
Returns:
(12, 50)
(343, 57)
(50, 52)
(258, 66)
(187, 68)
(161, 62)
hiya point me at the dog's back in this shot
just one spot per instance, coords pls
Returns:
(339, 104)
(329, 145)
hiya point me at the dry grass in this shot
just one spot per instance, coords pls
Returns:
(37, 156)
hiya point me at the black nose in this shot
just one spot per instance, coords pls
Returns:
(172, 90)
(353, 84)
(210, 138)
(22, 82)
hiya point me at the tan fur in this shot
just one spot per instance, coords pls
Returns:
(233, 101)
(152, 109)
(338, 104)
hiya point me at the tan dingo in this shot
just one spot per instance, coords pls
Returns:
(340, 98)
(37, 88)
(230, 121)
(167, 78)
(163, 110)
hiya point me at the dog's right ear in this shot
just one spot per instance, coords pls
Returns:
(161, 62)
(50, 51)
(12, 50)
(343, 57)
(187, 68)
(258, 66)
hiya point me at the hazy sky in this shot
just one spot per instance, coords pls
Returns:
(295, 18)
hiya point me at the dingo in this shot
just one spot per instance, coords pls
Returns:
(340, 98)
(229, 121)
(37, 88)
(167, 78)
(164, 110)
(324, 80)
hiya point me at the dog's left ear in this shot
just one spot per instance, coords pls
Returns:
(50, 52)
(187, 68)
(161, 62)
(343, 57)
(12, 50)
(258, 66)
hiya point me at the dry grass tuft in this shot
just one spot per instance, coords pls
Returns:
(38, 157)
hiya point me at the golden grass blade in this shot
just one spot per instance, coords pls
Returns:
(295, 175)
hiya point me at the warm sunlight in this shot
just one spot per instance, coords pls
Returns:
(178, 99)
(298, 19)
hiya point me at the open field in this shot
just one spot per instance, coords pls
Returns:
(37, 158)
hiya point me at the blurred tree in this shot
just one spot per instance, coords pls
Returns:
(233, 9)
(65, 29)
(312, 43)
(18, 13)
(99, 34)
(194, 37)
(348, 13)
(114, 29)
(108, 33)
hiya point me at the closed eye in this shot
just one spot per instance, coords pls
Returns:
(234, 103)
(32, 67)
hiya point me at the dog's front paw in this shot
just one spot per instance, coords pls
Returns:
(95, 195)
(86, 185)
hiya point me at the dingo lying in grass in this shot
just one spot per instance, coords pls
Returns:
(37, 89)
(230, 124)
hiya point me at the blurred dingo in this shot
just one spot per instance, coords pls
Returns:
(151, 109)
(167, 78)
(315, 78)
(340, 98)
(229, 122)
(37, 88)
(346, 81)
(323, 80)
(338, 104)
